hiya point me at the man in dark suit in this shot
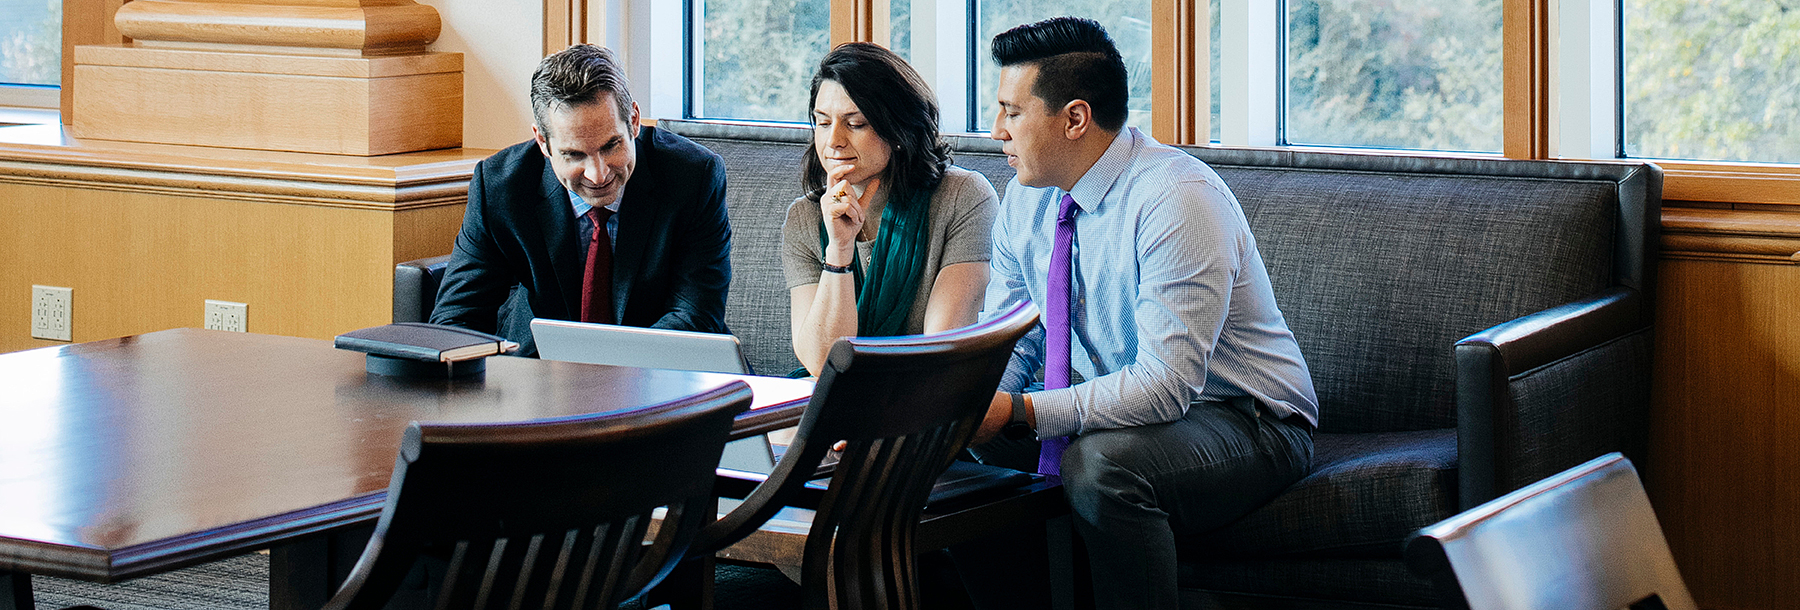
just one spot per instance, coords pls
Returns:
(597, 219)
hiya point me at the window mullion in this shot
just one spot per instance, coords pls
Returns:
(1585, 86)
(1250, 79)
(649, 36)
(940, 52)
(1179, 33)
(857, 21)
(1527, 63)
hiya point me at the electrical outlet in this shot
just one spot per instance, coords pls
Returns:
(50, 312)
(226, 315)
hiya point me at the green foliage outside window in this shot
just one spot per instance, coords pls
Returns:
(31, 42)
(1704, 79)
(760, 56)
(1423, 74)
(1713, 79)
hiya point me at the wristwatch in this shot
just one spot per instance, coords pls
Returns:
(830, 268)
(1017, 428)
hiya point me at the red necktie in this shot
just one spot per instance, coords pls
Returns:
(596, 283)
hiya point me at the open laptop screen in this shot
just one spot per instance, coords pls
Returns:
(655, 348)
(650, 348)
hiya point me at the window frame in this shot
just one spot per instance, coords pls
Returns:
(38, 97)
(1534, 124)
(30, 96)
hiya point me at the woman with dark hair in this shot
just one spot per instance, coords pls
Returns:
(890, 239)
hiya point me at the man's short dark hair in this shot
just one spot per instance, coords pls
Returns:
(575, 76)
(1076, 60)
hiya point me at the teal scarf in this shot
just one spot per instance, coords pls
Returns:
(885, 292)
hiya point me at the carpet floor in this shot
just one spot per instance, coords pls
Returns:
(242, 583)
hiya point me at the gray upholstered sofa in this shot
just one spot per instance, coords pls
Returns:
(1471, 326)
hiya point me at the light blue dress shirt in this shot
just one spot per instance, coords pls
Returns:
(586, 236)
(1171, 300)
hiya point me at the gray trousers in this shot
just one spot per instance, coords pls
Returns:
(1134, 490)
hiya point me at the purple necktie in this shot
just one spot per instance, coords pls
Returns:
(1056, 327)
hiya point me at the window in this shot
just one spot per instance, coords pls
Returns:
(757, 58)
(1213, 69)
(1702, 85)
(30, 52)
(1128, 21)
(1716, 80)
(900, 27)
(1422, 74)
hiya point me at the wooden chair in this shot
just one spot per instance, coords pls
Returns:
(1584, 539)
(906, 406)
(548, 514)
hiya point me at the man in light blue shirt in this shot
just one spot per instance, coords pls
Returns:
(1190, 403)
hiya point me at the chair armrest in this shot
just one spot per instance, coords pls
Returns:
(1544, 392)
(415, 288)
(783, 487)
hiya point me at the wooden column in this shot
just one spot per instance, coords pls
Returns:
(84, 22)
(1526, 55)
(1180, 111)
(859, 21)
(328, 76)
(565, 23)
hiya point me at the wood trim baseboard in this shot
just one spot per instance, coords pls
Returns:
(1747, 236)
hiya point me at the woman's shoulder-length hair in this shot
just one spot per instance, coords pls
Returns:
(897, 104)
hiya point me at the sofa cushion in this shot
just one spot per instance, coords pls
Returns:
(1379, 274)
(1366, 494)
(763, 178)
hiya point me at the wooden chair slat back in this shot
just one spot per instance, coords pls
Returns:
(906, 406)
(548, 514)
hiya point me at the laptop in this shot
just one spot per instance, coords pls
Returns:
(656, 348)
(647, 348)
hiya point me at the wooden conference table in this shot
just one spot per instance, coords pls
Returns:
(132, 456)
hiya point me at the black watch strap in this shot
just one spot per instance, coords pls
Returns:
(1018, 408)
(830, 268)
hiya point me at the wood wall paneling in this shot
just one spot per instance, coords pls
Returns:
(145, 233)
(421, 232)
(1725, 432)
(153, 259)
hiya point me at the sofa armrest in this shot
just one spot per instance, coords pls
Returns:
(415, 288)
(1550, 390)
